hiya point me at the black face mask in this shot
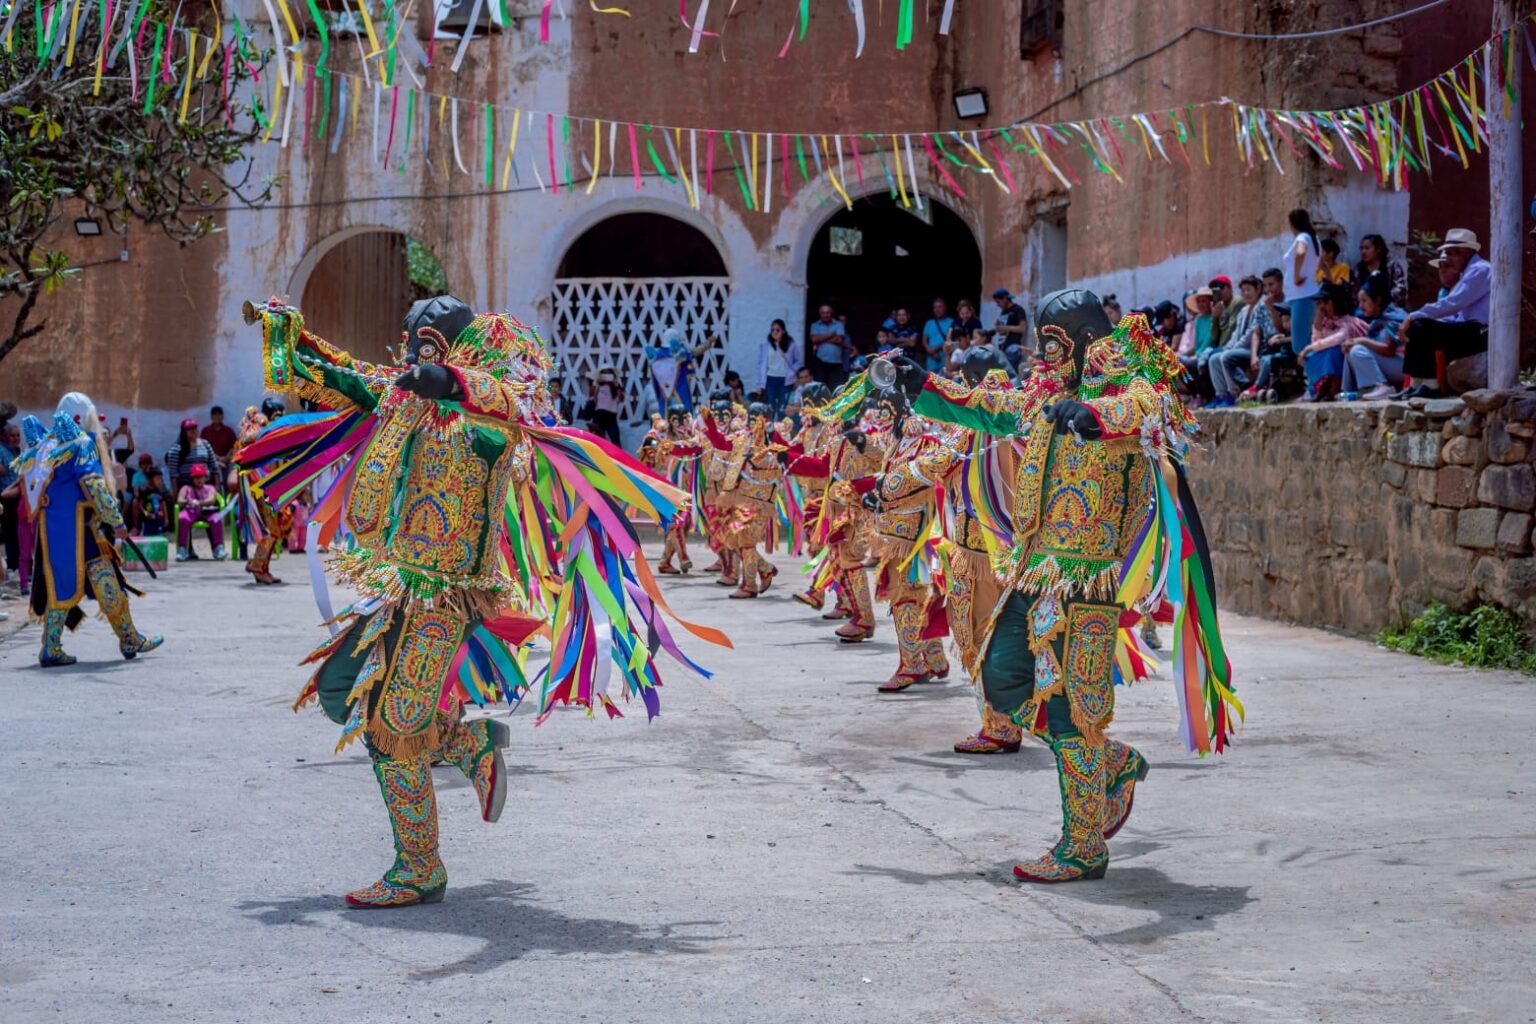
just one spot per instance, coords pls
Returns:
(980, 360)
(1067, 322)
(431, 326)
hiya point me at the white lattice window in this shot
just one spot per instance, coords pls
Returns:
(606, 321)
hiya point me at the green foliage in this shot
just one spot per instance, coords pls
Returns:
(425, 272)
(1485, 637)
(83, 139)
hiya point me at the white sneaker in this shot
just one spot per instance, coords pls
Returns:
(1379, 393)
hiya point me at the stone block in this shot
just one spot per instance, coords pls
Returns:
(1420, 448)
(1468, 373)
(1523, 429)
(1515, 534)
(1468, 423)
(1392, 413)
(1501, 446)
(1415, 420)
(1478, 527)
(1442, 408)
(1512, 487)
(1455, 487)
(1521, 408)
(1425, 485)
(1460, 451)
(1485, 400)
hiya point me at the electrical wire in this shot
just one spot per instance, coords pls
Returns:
(1078, 90)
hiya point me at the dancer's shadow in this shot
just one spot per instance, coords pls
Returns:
(1179, 906)
(499, 913)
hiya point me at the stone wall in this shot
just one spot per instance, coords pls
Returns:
(1350, 515)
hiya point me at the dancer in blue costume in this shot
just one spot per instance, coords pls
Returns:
(76, 520)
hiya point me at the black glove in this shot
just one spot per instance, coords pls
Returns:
(871, 501)
(910, 376)
(1069, 417)
(857, 438)
(430, 381)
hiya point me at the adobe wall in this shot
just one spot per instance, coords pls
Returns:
(1349, 515)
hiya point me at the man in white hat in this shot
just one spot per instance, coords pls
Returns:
(1453, 326)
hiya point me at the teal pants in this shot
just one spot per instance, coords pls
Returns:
(1008, 669)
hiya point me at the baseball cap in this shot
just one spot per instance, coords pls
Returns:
(1221, 279)
(1002, 293)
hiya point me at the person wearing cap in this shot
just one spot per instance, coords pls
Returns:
(198, 502)
(1011, 328)
(1224, 309)
(188, 451)
(1334, 330)
(1233, 364)
(1453, 326)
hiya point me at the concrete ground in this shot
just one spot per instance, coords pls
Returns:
(780, 845)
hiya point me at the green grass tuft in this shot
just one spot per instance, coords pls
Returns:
(1485, 637)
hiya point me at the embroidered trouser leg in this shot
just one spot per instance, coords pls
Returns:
(113, 601)
(261, 558)
(417, 875)
(1049, 662)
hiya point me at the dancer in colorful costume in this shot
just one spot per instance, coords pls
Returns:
(671, 364)
(905, 502)
(849, 470)
(747, 489)
(977, 523)
(817, 434)
(712, 466)
(476, 527)
(261, 526)
(677, 452)
(76, 520)
(1097, 532)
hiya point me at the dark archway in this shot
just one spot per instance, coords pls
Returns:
(886, 256)
(360, 290)
(642, 245)
(623, 284)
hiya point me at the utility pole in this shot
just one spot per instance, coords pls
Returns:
(1506, 213)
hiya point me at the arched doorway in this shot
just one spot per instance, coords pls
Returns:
(880, 255)
(359, 290)
(624, 282)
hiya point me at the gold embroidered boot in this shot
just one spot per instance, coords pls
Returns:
(1080, 853)
(52, 654)
(1124, 767)
(418, 875)
(907, 617)
(999, 734)
(474, 748)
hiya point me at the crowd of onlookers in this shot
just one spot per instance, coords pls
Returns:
(191, 488)
(1316, 328)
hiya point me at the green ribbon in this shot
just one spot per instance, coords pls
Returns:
(154, 62)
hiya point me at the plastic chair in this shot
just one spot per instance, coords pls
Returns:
(226, 512)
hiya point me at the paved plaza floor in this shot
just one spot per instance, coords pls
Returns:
(781, 844)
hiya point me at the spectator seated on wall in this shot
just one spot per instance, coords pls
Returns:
(1373, 364)
(1236, 364)
(1454, 325)
(1334, 328)
(1196, 344)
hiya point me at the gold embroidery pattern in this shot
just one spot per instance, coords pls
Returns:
(404, 724)
(1091, 630)
(444, 518)
(373, 489)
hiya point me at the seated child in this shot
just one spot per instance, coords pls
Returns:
(199, 503)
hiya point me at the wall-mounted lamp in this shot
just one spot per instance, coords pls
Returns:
(970, 104)
(87, 227)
